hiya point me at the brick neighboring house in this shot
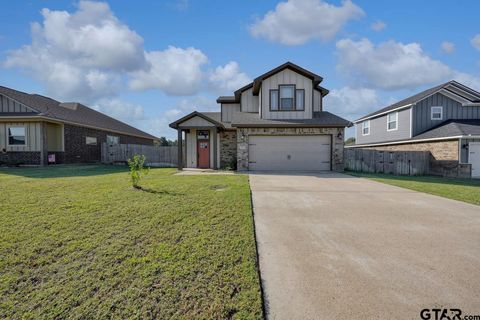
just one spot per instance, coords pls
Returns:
(276, 122)
(32, 127)
(444, 120)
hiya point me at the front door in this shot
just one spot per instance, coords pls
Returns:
(203, 150)
(474, 158)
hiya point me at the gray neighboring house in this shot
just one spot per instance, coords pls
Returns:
(444, 120)
(276, 122)
(35, 129)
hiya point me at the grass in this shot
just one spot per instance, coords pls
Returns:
(467, 190)
(78, 242)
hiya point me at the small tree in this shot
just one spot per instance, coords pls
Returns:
(137, 170)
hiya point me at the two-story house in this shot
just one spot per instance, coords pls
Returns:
(444, 120)
(276, 122)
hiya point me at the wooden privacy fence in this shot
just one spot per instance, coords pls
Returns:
(156, 156)
(394, 162)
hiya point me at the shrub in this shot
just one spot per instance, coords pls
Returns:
(137, 170)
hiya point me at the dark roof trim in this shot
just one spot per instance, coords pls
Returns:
(284, 125)
(322, 90)
(175, 124)
(228, 99)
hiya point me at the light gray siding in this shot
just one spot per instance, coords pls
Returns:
(8, 105)
(287, 76)
(451, 110)
(228, 109)
(33, 136)
(249, 102)
(191, 148)
(317, 101)
(378, 129)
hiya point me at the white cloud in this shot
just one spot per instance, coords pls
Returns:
(378, 25)
(351, 103)
(80, 55)
(120, 109)
(228, 77)
(476, 42)
(175, 71)
(389, 65)
(448, 47)
(295, 22)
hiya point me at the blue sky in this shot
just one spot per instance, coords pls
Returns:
(150, 62)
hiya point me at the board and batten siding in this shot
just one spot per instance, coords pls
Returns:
(191, 148)
(451, 110)
(196, 122)
(287, 76)
(33, 132)
(249, 102)
(378, 129)
(228, 109)
(463, 149)
(8, 105)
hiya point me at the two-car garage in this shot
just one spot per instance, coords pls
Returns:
(290, 152)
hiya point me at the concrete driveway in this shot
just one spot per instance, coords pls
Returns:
(332, 246)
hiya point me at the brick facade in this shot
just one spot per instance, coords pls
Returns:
(440, 150)
(77, 151)
(228, 149)
(336, 133)
(20, 157)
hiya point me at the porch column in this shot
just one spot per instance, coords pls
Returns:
(215, 133)
(180, 149)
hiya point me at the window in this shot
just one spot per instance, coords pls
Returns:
(203, 135)
(299, 99)
(287, 97)
(437, 113)
(16, 136)
(273, 99)
(91, 141)
(113, 140)
(392, 121)
(366, 128)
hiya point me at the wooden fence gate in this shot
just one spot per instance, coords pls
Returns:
(156, 156)
(394, 162)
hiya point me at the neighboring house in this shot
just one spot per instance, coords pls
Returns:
(276, 122)
(34, 129)
(444, 120)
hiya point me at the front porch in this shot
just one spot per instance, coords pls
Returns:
(198, 142)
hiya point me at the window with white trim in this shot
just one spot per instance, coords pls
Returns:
(392, 121)
(17, 136)
(91, 141)
(366, 128)
(436, 113)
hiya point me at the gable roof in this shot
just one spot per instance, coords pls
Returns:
(424, 94)
(256, 84)
(74, 113)
(212, 117)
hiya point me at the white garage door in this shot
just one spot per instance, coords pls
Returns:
(289, 152)
(474, 158)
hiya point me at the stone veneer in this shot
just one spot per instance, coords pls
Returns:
(337, 142)
(228, 149)
(440, 150)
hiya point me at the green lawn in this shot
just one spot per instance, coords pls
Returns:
(78, 242)
(467, 190)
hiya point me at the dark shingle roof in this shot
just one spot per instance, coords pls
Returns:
(320, 119)
(72, 112)
(452, 128)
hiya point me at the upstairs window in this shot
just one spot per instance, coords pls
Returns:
(437, 113)
(366, 128)
(113, 140)
(392, 121)
(299, 99)
(273, 99)
(287, 97)
(16, 136)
